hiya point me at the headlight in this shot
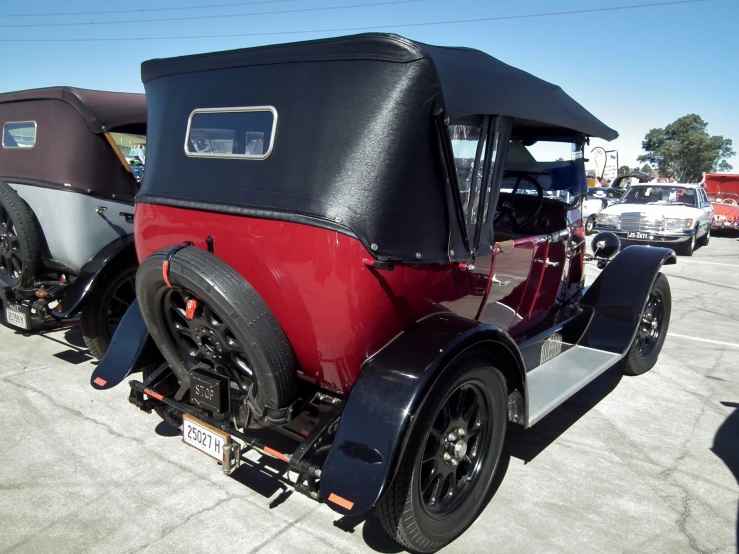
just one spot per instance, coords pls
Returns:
(678, 223)
(613, 220)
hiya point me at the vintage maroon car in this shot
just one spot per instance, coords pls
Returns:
(357, 242)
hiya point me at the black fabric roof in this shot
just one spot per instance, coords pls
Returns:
(471, 81)
(101, 110)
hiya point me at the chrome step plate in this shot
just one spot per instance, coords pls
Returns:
(550, 384)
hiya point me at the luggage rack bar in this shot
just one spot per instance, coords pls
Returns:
(295, 462)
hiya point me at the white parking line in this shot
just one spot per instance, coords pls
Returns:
(709, 341)
(679, 261)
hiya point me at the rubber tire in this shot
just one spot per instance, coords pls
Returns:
(29, 233)
(590, 224)
(687, 248)
(398, 510)
(632, 364)
(92, 316)
(705, 239)
(233, 299)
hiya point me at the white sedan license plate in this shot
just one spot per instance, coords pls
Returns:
(637, 235)
(204, 437)
(16, 315)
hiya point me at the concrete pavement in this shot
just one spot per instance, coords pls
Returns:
(629, 464)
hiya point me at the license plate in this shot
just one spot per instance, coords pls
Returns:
(637, 235)
(17, 315)
(204, 437)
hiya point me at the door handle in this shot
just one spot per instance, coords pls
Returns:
(546, 262)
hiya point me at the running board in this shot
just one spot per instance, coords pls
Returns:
(550, 384)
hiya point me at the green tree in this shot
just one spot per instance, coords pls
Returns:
(624, 170)
(646, 168)
(684, 150)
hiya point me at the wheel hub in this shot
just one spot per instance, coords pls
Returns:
(455, 447)
(4, 244)
(209, 341)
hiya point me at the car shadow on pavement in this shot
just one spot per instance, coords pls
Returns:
(75, 351)
(527, 444)
(726, 447)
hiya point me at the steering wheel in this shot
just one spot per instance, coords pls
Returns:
(509, 208)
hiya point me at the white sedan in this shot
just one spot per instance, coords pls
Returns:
(673, 215)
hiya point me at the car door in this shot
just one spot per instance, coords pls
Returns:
(706, 210)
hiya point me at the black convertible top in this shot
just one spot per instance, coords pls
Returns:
(359, 138)
(471, 81)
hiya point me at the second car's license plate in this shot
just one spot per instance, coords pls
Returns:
(204, 437)
(637, 235)
(17, 315)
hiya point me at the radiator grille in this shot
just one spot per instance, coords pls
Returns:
(640, 222)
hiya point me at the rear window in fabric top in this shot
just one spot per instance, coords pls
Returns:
(19, 134)
(231, 133)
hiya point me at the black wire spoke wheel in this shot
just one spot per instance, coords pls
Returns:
(203, 338)
(651, 330)
(445, 474)
(121, 299)
(455, 451)
(650, 325)
(11, 261)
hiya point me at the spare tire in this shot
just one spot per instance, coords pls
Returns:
(21, 252)
(231, 331)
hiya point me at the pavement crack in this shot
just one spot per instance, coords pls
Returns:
(172, 528)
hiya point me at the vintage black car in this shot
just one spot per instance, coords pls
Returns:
(66, 208)
(357, 242)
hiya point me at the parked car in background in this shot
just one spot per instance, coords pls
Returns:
(609, 194)
(388, 276)
(723, 192)
(664, 214)
(598, 199)
(66, 208)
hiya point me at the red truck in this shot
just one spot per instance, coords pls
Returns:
(723, 192)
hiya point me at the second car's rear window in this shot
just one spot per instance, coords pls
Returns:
(246, 133)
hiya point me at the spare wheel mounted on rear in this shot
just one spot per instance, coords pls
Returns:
(227, 329)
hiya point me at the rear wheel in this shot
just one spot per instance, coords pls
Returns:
(449, 462)
(105, 307)
(652, 330)
(20, 240)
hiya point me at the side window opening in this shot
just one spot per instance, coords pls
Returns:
(245, 133)
(19, 134)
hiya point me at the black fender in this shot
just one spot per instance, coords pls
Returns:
(619, 294)
(382, 406)
(120, 249)
(128, 348)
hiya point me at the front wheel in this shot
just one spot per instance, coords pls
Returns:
(449, 462)
(590, 225)
(705, 239)
(687, 248)
(652, 329)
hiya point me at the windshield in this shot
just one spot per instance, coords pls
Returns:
(654, 194)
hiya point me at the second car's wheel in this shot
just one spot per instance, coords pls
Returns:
(210, 317)
(705, 239)
(105, 307)
(651, 331)
(449, 462)
(688, 247)
(20, 240)
(590, 225)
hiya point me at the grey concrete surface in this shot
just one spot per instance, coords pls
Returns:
(630, 464)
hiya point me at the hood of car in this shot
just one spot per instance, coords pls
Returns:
(654, 210)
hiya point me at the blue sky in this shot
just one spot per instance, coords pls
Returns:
(635, 69)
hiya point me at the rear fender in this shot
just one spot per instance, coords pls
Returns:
(121, 249)
(382, 407)
(619, 294)
(128, 351)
